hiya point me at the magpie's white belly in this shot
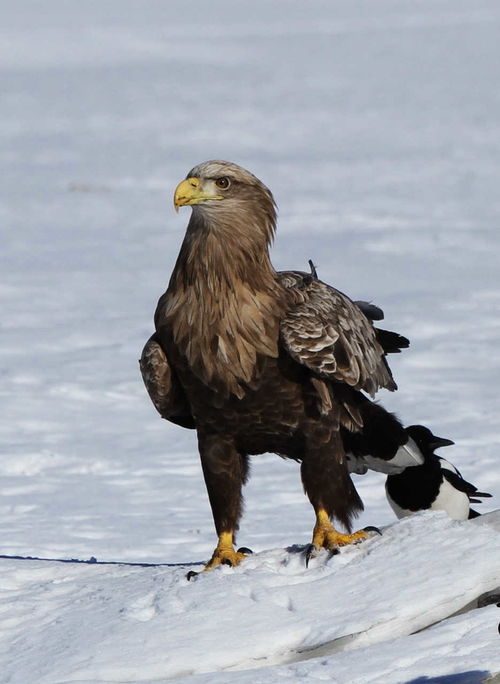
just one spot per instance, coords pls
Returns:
(451, 500)
(455, 503)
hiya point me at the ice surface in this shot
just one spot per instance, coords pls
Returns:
(377, 126)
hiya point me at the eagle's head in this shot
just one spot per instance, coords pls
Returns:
(225, 194)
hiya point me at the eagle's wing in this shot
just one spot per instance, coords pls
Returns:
(162, 385)
(328, 333)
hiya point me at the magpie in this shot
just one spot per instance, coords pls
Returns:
(434, 485)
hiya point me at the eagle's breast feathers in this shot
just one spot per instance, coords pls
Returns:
(222, 336)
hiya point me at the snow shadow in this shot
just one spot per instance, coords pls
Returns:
(94, 561)
(471, 677)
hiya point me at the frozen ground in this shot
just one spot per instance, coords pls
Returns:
(377, 126)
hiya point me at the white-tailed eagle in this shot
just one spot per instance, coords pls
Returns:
(263, 361)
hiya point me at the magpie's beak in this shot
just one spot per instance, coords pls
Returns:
(437, 442)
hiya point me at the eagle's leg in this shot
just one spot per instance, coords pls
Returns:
(331, 492)
(225, 471)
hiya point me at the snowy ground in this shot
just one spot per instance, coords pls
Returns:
(377, 126)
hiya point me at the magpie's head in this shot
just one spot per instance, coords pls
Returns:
(426, 440)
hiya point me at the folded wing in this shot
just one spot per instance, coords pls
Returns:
(162, 385)
(328, 333)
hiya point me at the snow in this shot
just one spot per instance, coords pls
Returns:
(376, 125)
(122, 623)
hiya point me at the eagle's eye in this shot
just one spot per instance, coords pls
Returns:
(223, 182)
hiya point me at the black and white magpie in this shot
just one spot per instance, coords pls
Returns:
(434, 485)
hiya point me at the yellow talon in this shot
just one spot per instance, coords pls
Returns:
(326, 536)
(224, 553)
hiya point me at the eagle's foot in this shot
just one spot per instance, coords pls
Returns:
(225, 553)
(227, 556)
(325, 536)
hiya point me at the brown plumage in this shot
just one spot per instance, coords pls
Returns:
(257, 360)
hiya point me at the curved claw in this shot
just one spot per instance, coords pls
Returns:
(191, 575)
(372, 528)
(245, 551)
(311, 551)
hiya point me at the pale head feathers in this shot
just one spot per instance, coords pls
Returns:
(247, 206)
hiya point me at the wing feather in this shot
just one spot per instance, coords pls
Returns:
(162, 385)
(328, 333)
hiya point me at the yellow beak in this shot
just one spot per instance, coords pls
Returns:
(190, 192)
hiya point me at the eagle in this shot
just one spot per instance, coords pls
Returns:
(259, 361)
